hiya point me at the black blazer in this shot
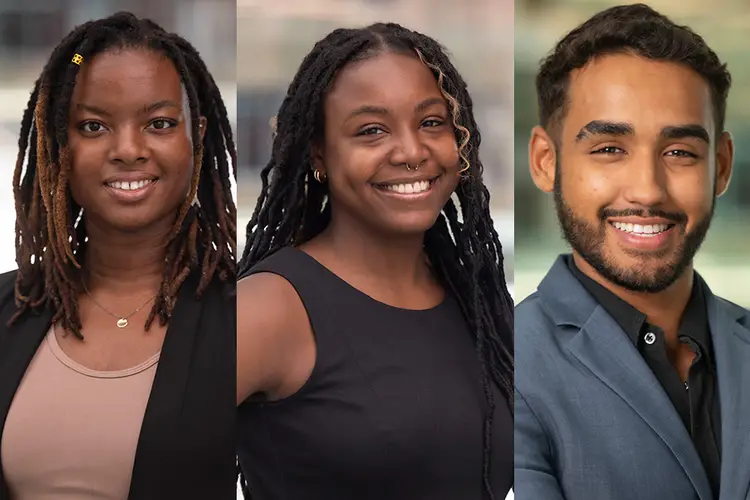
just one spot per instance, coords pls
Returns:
(186, 448)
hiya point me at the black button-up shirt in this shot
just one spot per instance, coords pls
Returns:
(695, 400)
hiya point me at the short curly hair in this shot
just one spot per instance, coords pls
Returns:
(636, 29)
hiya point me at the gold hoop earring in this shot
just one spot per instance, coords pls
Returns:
(319, 176)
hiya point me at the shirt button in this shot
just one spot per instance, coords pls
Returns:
(650, 338)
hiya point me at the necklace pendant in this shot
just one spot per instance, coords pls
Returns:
(122, 323)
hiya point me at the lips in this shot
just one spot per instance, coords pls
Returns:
(641, 229)
(407, 186)
(129, 185)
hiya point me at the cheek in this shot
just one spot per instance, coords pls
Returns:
(86, 160)
(175, 157)
(352, 166)
(587, 189)
(447, 154)
(691, 193)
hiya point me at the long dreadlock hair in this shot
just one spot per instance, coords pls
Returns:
(464, 251)
(50, 232)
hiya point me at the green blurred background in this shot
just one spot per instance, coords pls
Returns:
(724, 260)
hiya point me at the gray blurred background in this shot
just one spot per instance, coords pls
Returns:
(274, 37)
(30, 29)
(724, 260)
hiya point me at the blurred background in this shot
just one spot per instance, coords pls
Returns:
(30, 29)
(274, 37)
(724, 260)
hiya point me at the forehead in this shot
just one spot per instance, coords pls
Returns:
(385, 78)
(128, 76)
(648, 94)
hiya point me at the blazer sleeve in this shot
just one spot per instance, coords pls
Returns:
(534, 473)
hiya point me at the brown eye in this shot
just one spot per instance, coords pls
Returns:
(681, 153)
(371, 131)
(162, 124)
(608, 150)
(92, 127)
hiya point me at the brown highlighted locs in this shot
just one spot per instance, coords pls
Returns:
(50, 232)
(635, 29)
(465, 252)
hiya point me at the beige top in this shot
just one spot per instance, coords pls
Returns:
(72, 432)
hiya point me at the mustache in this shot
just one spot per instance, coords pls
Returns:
(676, 217)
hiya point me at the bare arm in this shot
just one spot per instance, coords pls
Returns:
(275, 346)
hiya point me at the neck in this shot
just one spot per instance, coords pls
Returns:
(663, 309)
(125, 262)
(397, 260)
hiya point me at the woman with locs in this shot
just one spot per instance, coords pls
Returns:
(118, 325)
(374, 341)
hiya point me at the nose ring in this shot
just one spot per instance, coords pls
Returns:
(408, 167)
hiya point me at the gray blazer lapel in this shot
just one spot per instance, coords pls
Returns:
(605, 349)
(731, 339)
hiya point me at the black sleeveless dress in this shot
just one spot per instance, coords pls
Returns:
(393, 410)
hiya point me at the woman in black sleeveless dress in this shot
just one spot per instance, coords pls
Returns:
(374, 344)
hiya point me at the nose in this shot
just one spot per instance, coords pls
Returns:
(409, 149)
(646, 183)
(129, 146)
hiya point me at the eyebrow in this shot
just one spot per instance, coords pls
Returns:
(145, 109)
(602, 127)
(92, 109)
(621, 129)
(379, 110)
(160, 105)
(686, 131)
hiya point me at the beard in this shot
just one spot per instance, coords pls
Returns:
(657, 270)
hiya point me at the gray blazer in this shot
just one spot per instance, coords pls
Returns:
(592, 421)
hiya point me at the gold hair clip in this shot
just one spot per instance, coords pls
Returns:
(78, 59)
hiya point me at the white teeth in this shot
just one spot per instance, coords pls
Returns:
(130, 186)
(413, 188)
(641, 230)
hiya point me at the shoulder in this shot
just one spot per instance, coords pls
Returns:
(273, 332)
(8, 282)
(735, 310)
(265, 298)
(538, 340)
(8, 289)
(531, 318)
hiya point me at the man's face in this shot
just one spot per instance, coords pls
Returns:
(638, 168)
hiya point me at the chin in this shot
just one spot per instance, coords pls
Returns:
(130, 223)
(649, 272)
(413, 224)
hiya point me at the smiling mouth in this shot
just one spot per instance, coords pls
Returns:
(130, 185)
(415, 187)
(642, 230)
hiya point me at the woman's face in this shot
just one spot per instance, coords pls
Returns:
(129, 134)
(382, 114)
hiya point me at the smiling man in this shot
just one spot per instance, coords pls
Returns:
(632, 378)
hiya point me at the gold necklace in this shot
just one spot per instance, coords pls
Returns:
(122, 321)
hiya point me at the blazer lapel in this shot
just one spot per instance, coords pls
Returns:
(164, 409)
(605, 349)
(731, 341)
(17, 348)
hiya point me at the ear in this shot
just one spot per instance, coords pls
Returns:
(542, 159)
(724, 162)
(316, 158)
(202, 126)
